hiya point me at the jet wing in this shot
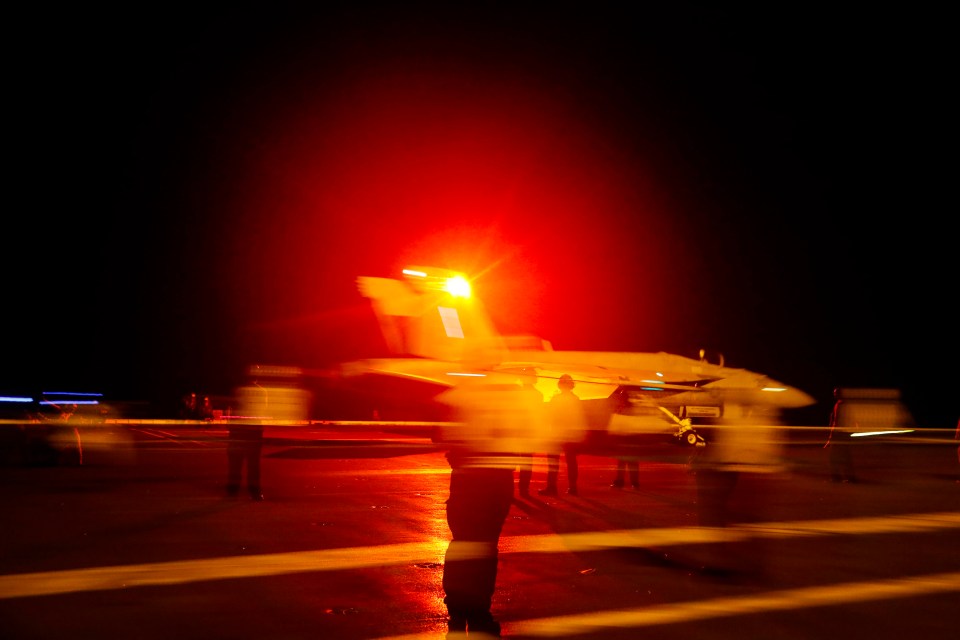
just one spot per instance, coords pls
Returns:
(594, 382)
(435, 372)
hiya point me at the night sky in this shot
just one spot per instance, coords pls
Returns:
(194, 190)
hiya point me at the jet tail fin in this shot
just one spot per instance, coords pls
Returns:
(432, 314)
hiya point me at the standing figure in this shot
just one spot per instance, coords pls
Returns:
(568, 421)
(273, 395)
(188, 406)
(857, 411)
(742, 452)
(483, 451)
(533, 435)
(838, 445)
(245, 437)
(205, 412)
(619, 435)
(244, 447)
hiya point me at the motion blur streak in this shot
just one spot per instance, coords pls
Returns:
(158, 573)
(566, 626)
(595, 540)
(271, 564)
(723, 607)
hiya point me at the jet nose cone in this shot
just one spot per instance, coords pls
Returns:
(786, 396)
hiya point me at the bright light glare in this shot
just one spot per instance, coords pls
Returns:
(458, 286)
(411, 272)
(863, 434)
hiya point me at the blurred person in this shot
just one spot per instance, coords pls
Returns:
(856, 413)
(188, 406)
(742, 446)
(273, 396)
(535, 439)
(618, 439)
(245, 440)
(493, 423)
(838, 445)
(205, 412)
(244, 447)
(70, 446)
(568, 422)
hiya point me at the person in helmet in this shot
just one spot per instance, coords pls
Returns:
(568, 423)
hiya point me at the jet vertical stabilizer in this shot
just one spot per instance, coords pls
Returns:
(431, 314)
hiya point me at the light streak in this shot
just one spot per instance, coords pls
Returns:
(22, 585)
(879, 433)
(72, 393)
(15, 399)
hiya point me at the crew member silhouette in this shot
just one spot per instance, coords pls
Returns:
(839, 445)
(245, 440)
(534, 436)
(568, 422)
(483, 451)
(619, 440)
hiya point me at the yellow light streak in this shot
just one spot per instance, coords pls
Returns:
(864, 434)
(784, 600)
(232, 567)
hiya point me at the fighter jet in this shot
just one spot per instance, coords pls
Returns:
(439, 335)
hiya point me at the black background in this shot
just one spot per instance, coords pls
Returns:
(194, 190)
